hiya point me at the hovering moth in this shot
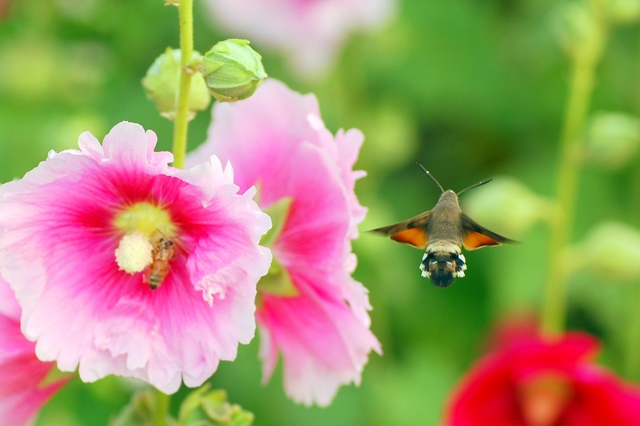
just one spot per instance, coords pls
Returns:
(441, 232)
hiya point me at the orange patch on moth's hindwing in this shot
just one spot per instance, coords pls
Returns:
(416, 237)
(474, 240)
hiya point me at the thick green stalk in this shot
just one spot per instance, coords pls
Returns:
(181, 123)
(581, 88)
(632, 361)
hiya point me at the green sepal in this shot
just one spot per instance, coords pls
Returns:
(141, 411)
(278, 212)
(278, 281)
(54, 375)
(204, 407)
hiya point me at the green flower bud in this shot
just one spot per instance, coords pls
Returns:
(162, 81)
(612, 250)
(232, 70)
(507, 205)
(612, 139)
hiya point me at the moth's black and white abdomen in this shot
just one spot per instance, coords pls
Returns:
(442, 267)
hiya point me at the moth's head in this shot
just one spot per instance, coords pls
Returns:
(449, 195)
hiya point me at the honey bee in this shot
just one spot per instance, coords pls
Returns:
(163, 251)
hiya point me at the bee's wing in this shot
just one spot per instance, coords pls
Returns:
(411, 231)
(475, 236)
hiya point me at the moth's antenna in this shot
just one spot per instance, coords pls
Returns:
(426, 172)
(475, 185)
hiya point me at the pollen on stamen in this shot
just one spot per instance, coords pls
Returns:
(134, 253)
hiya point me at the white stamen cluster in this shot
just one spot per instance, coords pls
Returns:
(134, 253)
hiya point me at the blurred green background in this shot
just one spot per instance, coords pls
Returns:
(471, 89)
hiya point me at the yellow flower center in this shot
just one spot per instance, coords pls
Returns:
(145, 218)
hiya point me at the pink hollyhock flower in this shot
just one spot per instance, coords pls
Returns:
(22, 392)
(311, 309)
(88, 235)
(309, 32)
(544, 383)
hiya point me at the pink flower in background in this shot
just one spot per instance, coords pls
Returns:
(22, 392)
(311, 309)
(309, 32)
(544, 383)
(87, 234)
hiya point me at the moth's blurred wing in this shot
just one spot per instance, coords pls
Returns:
(475, 236)
(411, 231)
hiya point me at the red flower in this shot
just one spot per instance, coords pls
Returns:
(537, 382)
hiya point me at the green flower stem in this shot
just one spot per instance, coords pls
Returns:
(632, 361)
(181, 123)
(162, 408)
(581, 88)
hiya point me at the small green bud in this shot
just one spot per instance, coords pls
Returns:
(232, 70)
(612, 139)
(580, 31)
(612, 250)
(507, 205)
(622, 11)
(162, 81)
